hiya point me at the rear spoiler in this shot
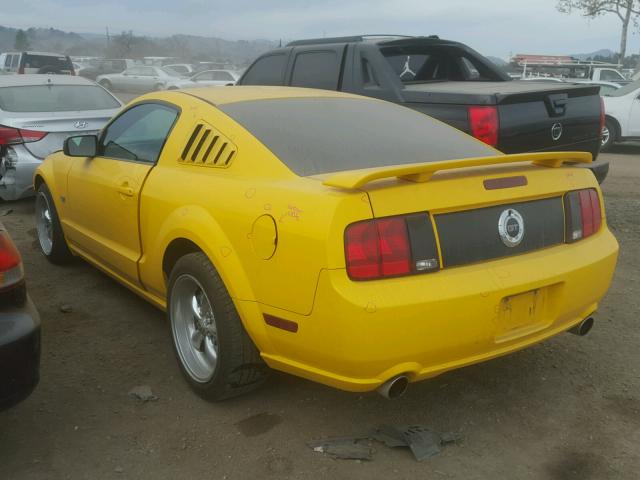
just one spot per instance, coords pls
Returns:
(422, 172)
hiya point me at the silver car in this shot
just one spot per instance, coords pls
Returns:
(139, 79)
(205, 79)
(37, 113)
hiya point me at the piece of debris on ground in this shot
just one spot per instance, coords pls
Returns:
(143, 393)
(344, 448)
(423, 442)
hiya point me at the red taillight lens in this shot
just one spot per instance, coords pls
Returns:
(582, 213)
(378, 248)
(12, 136)
(602, 112)
(483, 122)
(363, 253)
(395, 253)
(10, 262)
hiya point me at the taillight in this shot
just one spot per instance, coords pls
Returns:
(483, 122)
(12, 136)
(11, 271)
(583, 215)
(390, 247)
(602, 112)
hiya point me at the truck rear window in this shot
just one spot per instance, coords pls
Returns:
(55, 98)
(418, 63)
(323, 135)
(40, 61)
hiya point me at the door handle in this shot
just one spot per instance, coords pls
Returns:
(126, 190)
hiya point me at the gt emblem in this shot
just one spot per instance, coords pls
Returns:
(511, 227)
(80, 124)
(556, 131)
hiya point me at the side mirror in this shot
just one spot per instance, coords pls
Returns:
(81, 146)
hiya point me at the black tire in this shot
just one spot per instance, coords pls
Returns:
(239, 368)
(59, 252)
(106, 84)
(612, 134)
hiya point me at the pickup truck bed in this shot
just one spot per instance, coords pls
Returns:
(448, 81)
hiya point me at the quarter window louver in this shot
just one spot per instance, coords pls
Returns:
(206, 146)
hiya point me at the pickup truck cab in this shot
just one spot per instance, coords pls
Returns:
(448, 81)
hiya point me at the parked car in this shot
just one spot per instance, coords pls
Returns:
(105, 67)
(340, 238)
(139, 79)
(37, 113)
(207, 78)
(182, 68)
(36, 62)
(19, 329)
(622, 115)
(448, 81)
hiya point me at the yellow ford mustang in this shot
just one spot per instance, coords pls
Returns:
(343, 239)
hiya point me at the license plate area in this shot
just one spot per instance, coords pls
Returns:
(522, 314)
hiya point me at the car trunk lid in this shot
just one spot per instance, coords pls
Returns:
(58, 127)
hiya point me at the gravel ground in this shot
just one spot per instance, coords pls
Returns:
(565, 409)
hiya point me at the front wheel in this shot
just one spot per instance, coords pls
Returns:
(50, 237)
(214, 351)
(609, 135)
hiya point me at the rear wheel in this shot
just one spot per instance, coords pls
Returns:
(609, 135)
(50, 237)
(214, 351)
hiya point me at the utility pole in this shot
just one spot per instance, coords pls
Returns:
(108, 37)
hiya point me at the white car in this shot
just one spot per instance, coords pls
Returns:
(139, 79)
(205, 79)
(622, 115)
(182, 68)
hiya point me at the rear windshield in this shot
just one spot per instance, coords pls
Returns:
(628, 88)
(322, 135)
(55, 98)
(40, 61)
(418, 63)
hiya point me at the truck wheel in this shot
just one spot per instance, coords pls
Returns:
(609, 135)
(214, 351)
(50, 237)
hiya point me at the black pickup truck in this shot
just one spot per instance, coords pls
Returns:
(449, 81)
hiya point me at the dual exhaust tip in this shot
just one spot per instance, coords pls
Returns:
(396, 386)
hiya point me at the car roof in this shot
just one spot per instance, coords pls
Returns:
(236, 94)
(42, 79)
(379, 39)
(29, 52)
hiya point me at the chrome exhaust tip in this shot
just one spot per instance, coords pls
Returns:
(583, 327)
(394, 387)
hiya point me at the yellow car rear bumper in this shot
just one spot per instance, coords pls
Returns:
(360, 334)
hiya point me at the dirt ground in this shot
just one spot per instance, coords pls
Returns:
(565, 409)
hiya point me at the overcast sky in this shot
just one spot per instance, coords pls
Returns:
(494, 27)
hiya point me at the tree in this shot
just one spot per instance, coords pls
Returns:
(626, 10)
(22, 41)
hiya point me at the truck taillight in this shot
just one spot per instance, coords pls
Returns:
(583, 215)
(483, 122)
(390, 247)
(13, 136)
(11, 272)
(602, 113)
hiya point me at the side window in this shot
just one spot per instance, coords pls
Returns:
(222, 76)
(15, 61)
(610, 75)
(316, 70)
(7, 61)
(203, 76)
(139, 133)
(267, 70)
(148, 72)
